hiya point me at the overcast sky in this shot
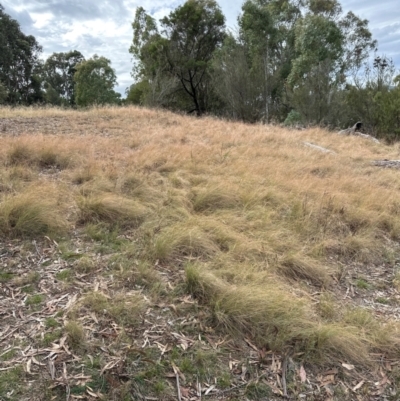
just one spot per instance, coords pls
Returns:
(103, 27)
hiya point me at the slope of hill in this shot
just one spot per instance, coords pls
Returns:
(148, 255)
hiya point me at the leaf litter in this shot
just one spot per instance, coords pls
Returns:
(24, 327)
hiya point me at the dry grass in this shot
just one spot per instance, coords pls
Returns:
(33, 213)
(299, 268)
(111, 208)
(250, 204)
(75, 336)
(278, 319)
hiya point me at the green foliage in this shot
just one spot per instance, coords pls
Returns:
(58, 72)
(5, 276)
(293, 118)
(51, 323)
(35, 299)
(137, 93)
(317, 97)
(290, 56)
(237, 84)
(362, 284)
(94, 82)
(8, 381)
(64, 275)
(19, 61)
(375, 99)
(382, 300)
(76, 335)
(317, 39)
(257, 391)
(387, 109)
(51, 95)
(180, 57)
(51, 337)
(3, 93)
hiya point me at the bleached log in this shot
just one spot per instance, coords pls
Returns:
(387, 163)
(354, 131)
(317, 147)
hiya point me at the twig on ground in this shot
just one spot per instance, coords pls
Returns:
(178, 386)
(284, 368)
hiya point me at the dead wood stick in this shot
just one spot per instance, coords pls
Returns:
(284, 368)
(317, 147)
(178, 386)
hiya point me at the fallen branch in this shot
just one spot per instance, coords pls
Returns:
(354, 130)
(366, 136)
(178, 386)
(317, 147)
(387, 163)
(284, 368)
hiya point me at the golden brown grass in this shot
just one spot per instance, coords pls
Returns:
(112, 209)
(34, 212)
(267, 220)
(276, 318)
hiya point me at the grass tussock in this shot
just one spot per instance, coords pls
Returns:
(33, 213)
(75, 336)
(336, 341)
(184, 241)
(85, 173)
(25, 153)
(213, 198)
(175, 244)
(196, 237)
(112, 209)
(278, 319)
(296, 267)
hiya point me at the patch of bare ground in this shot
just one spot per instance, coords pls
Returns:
(146, 255)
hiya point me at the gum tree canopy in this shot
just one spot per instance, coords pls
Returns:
(182, 51)
(58, 71)
(19, 57)
(300, 51)
(94, 82)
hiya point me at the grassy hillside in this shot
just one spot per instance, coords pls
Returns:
(148, 254)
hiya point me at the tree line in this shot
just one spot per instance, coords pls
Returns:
(64, 79)
(297, 62)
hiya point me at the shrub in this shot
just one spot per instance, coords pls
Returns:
(293, 118)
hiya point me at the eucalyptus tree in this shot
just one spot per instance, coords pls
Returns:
(239, 85)
(3, 93)
(19, 58)
(94, 82)
(307, 49)
(267, 30)
(176, 60)
(58, 75)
